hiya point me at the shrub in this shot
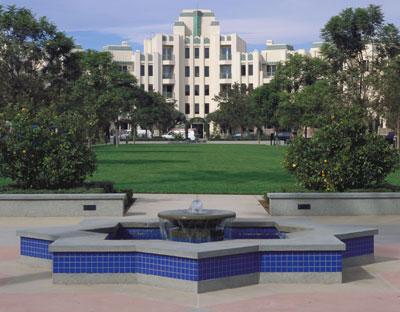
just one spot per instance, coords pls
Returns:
(341, 156)
(45, 150)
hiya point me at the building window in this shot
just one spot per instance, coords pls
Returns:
(142, 86)
(196, 108)
(197, 71)
(187, 108)
(250, 88)
(142, 70)
(187, 53)
(206, 90)
(196, 53)
(123, 68)
(225, 72)
(168, 91)
(150, 88)
(206, 53)
(187, 71)
(168, 71)
(271, 69)
(187, 90)
(243, 70)
(225, 88)
(206, 108)
(243, 88)
(250, 70)
(206, 71)
(226, 53)
(167, 53)
(150, 70)
(196, 90)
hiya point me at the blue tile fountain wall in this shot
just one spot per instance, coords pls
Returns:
(193, 269)
(153, 264)
(358, 246)
(301, 261)
(37, 248)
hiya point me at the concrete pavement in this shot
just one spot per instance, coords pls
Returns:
(373, 287)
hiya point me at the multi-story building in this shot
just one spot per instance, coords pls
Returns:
(196, 62)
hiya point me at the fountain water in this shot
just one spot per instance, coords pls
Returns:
(195, 224)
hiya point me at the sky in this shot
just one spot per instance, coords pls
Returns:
(95, 23)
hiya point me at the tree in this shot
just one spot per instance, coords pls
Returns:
(311, 106)
(299, 71)
(153, 111)
(102, 93)
(45, 150)
(357, 41)
(342, 155)
(37, 63)
(233, 105)
(298, 83)
(389, 104)
(263, 104)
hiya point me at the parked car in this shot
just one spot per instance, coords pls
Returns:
(177, 132)
(284, 136)
(142, 133)
(125, 134)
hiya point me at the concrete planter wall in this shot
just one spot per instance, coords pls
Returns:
(61, 205)
(334, 204)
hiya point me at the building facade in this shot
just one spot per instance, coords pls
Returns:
(196, 62)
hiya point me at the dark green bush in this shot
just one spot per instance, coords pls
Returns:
(342, 155)
(45, 150)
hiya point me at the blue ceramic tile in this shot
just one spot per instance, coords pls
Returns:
(358, 246)
(38, 248)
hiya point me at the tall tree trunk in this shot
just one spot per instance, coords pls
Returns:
(117, 133)
(305, 132)
(259, 135)
(398, 133)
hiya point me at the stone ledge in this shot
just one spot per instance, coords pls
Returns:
(334, 204)
(62, 205)
(349, 195)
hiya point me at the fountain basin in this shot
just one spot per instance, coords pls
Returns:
(87, 254)
(205, 225)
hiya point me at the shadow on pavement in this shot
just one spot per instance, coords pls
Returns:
(12, 280)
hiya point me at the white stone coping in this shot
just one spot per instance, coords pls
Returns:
(348, 195)
(306, 237)
(78, 196)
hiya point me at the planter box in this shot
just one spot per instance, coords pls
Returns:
(334, 204)
(62, 205)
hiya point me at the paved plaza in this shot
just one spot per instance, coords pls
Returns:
(373, 287)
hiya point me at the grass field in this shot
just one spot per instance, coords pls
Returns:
(197, 168)
(194, 168)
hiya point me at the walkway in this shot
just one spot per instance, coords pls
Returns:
(374, 287)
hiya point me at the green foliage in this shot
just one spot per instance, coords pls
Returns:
(342, 155)
(102, 93)
(353, 66)
(310, 106)
(45, 150)
(37, 64)
(299, 71)
(154, 111)
(263, 103)
(233, 109)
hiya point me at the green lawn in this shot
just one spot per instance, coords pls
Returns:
(194, 168)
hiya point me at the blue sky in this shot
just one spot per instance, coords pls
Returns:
(95, 23)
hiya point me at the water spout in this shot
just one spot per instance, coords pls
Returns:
(196, 207)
